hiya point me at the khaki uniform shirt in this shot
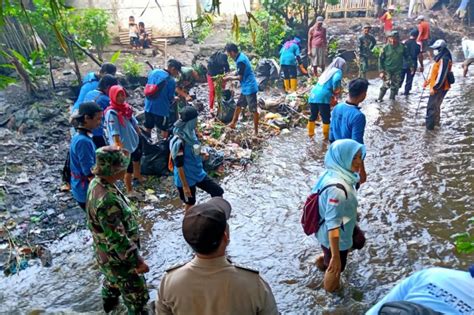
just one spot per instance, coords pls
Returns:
(214, 286)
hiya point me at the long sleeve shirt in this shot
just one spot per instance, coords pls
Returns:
(392, 58)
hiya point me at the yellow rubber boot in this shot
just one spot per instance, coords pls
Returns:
(286, 84)
(293, 85)
(311, 125)
(326, 131)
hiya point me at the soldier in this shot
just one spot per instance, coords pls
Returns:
(115, 233)
(229, 289)
(366, 43)
(390, 64)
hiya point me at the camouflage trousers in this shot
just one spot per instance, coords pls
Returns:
(363, 66)
(391, 81)
(123, 280)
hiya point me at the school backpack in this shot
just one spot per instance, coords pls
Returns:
(406, 308)
(311, 220)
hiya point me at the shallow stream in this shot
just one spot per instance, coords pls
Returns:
(419, 192)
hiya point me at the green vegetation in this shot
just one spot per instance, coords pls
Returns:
(131, 68)
(464, 242)
(333, 47)
(202, 27)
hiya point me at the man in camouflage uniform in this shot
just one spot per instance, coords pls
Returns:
(390, 64)
(366, 43)
(115, 233)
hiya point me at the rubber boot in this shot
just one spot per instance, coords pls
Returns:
(381, 94)
(311, 125)
(286, 84)
(393, 93)
(293, 85)
(326, 131)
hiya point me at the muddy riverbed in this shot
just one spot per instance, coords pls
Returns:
(419, 193)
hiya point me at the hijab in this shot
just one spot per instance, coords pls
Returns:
(338, 160)
(184, 131)
(336, 64)
(123, 110)
(288, 44)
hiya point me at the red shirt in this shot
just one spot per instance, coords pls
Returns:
(424, 31)
(387, 20)
(317, 37)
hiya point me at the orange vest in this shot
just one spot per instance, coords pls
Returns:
(436, 72)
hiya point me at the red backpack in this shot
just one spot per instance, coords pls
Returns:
(311, 220)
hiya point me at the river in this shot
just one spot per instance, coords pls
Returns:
(419, 192)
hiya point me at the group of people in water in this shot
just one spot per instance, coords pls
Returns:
(106, 149)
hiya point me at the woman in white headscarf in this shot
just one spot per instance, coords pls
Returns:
(328, 87)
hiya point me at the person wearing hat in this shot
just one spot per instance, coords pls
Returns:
(100, 96)
(468, 50)
(159, 97)
(115, 234)
(439, 81)
(366, 43)
(289, 58)
(423, 34)
(387, 19)
(248, 86)
(210, 283)
(82, 149)
(186, 157)
(123, 131)
(431, 291)
(317, 45)
(416, 56)
(391, 60)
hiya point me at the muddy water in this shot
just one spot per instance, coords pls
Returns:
(419, 193)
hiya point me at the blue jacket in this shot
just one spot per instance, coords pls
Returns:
(89, 83)
(321, 94)
(193, 167)
(288, 56)
(347, 122)
(103, 101)
(160, 106)
(249, 83)
(82, 159)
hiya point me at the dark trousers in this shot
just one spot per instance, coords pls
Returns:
(433, 110)
(406, 73)
(323, 109)
(207, 184)
(289, 72)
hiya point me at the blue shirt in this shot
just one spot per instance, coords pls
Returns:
(82, 159)
(103, 101)
(321, 94)
(337, 211)
(193, 167)
(248, 84)
(347, 122)
(128, 135)
(89, 83)
(288, 56)
(443, 290)
(160, 106)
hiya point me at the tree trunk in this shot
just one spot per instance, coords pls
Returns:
(30, 87)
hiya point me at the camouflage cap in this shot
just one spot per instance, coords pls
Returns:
(110, 160)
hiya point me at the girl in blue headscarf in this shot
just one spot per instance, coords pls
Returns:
(187, 161)
(338, 209)
(289, 58)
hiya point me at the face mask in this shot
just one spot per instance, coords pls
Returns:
(436, 52)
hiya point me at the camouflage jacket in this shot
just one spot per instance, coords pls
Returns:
(366, 44)
(113, 224)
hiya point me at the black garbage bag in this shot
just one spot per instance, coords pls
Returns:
(155, 157)
(227, 107)
(266, 73)
(216, 159)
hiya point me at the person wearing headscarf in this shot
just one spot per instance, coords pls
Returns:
(338, 232)
(318, 45)
(289, 59)
(115, 233)
(187, 162)
(323, 94)
(123, 131)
